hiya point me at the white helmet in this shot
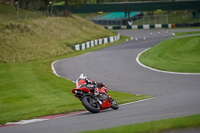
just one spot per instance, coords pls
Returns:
(83, 76)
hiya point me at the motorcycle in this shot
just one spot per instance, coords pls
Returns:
(92, 102)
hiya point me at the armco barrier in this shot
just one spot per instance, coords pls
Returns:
(92, 43)
(186, 25)
(146, 26)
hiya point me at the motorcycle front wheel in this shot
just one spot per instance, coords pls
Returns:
(90, 104)
(114, 104)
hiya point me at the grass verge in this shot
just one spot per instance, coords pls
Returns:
(196, 27)
(30, 89)
(187, 33)
(45, 37)
(177, 55)
(155, 126)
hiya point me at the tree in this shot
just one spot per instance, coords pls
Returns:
(46, 3)
(11, 2)
(74, 2)
(66, 12)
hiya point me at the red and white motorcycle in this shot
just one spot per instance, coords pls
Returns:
(92, 102)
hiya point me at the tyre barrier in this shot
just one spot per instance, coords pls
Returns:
(155, 26)
(95, 42)
(146, 26)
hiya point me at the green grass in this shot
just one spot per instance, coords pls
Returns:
(45, 37)
(187, 33)
(30, 89)
(177, 55)
(155, 126)
(196, 27)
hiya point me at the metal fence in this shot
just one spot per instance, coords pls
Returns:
(152, 19)
(136, 20)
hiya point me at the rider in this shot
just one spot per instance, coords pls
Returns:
(83, 80)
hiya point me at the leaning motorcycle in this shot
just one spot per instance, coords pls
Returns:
(92, 102)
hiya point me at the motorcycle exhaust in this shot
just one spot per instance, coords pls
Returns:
(78, 93)
(100, 102)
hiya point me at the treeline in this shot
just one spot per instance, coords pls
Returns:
(35, 4)
(46, 5)
(43, 5)
(30, 4)
(104, 1)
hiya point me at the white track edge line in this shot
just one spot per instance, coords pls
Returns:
(52, 67)
(157, 70)
(70, 115)
(137, 101)
(22, 122)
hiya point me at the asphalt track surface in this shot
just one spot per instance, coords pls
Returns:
(175, 95)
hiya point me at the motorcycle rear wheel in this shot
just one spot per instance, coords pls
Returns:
(114, 104)
(90, 105)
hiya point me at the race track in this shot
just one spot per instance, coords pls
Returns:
(175, 95)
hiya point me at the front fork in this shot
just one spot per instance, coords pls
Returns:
(95, 99)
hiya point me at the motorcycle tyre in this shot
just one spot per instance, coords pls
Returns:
(116, 106)
(88, 106)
